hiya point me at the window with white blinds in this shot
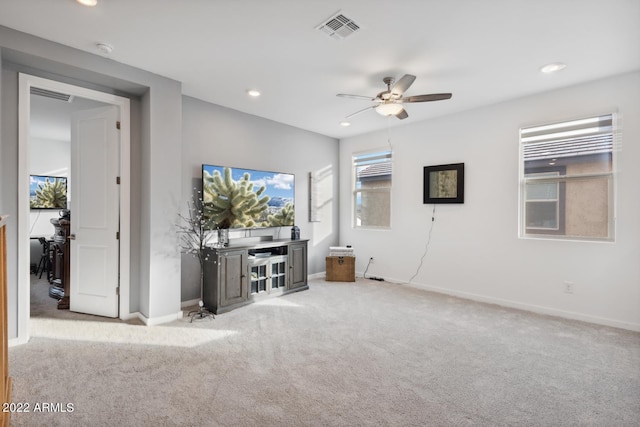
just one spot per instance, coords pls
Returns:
(372, 189)
(567, 179)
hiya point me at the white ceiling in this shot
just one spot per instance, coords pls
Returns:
(483, 52)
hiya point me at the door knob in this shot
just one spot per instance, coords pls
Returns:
(71, 237)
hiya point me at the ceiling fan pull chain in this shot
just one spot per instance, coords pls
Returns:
(389, 133)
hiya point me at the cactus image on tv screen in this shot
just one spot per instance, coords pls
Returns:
(47, 192)
(246, 198)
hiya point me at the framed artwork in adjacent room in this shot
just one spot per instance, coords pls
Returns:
(444, 183)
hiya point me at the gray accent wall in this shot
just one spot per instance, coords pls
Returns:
(155, 161)
(171, 136)
(217, 135)
(8, 190)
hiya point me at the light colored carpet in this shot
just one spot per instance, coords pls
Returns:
(340, 354)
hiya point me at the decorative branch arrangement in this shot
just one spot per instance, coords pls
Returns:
(193, 241)
(193, 235)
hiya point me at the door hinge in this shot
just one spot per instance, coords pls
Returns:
(117, 235)
(118, 125)
(118, 290)
(118, 180)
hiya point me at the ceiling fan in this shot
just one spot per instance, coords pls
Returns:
(390, 102)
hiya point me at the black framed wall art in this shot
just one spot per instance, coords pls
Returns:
(444, 184)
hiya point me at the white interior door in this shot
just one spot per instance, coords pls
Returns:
(94, 204)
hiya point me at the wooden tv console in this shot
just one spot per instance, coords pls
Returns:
(243, 273)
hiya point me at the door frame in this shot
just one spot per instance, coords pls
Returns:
(25, 82)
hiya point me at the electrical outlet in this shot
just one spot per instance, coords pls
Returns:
(568, 287)
(371, 260)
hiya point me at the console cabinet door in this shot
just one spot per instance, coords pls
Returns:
(233, 277)
(297, 265)
(259, 276)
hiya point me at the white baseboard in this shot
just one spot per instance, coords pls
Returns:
(190, 303)
(17, 341)
(522, 306)
(130, 316)
(160, 320)
(314, 276)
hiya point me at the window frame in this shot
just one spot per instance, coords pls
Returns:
(381, 152)
(563, 179)
(561, 199)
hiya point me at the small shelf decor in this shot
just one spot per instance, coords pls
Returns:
(444, 184)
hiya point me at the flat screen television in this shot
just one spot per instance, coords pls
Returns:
(247, 198)
(47, 192)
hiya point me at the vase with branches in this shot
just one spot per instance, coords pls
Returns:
(194, 236)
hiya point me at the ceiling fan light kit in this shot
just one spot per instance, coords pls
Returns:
(391, 101)
(388, 109)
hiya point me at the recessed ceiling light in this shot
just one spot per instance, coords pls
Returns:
(553, 67)
(253, 92)
(88, 2)
(345, 123)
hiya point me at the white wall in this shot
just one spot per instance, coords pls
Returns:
(220, 136)
(47, 157)
(475, 251)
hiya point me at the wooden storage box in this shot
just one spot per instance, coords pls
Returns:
(341, 269)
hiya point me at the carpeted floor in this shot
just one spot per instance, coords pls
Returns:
(340, 354)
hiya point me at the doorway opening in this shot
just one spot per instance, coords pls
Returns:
(47, 148)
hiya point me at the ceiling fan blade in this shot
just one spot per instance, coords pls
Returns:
(360, 111)
(402, 114)
(366, 98)
(426, 98)
(403, 84)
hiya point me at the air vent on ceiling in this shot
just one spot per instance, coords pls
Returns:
(51, 94)
(338, 26)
